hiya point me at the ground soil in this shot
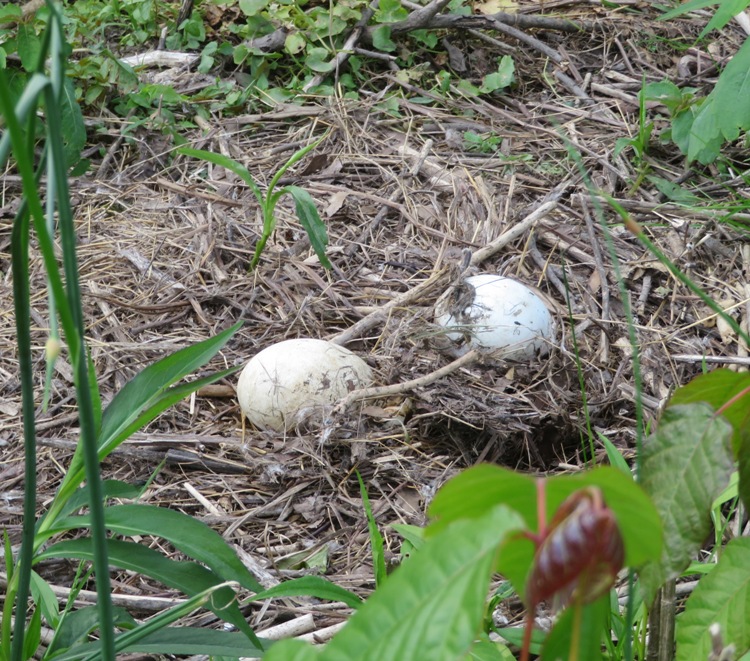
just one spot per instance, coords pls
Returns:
(165, 245)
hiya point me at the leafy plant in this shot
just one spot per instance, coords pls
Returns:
(307, 213)
(700, 127)
(209, 583)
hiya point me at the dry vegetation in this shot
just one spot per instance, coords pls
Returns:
(165, 244)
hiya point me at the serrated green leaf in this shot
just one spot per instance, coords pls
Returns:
(685, 465)
(310, 220)
(432, 606)
(381, 39)
(717, 389)
(194, 538)
(29, 46)
(720, 597)
(726, 110)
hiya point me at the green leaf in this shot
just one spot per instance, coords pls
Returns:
(726, 110)
(110, 488)
(717, 389)
(593, 619)
(77, 625)
(311, 586)
(685, 465)
(194, 641)
(74, 129)
(614, 455)
(687, 7)
(502, 78)
(194, 538)
(412, 534)
(29, 46)
(292, 650)
(720, 597)
(33, 634)
(294, 43)
(144, 396)
(486, 650)
(228, 164)
(45, 599)
(743, 460)
(310, 221)
(432, 606)
(673, 192)
(381, 39)
(318, 59)
(253, 7)
(376, 539)
(390, 11)
(188, 577)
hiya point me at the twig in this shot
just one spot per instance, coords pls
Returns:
(441, 277)
(405, 386)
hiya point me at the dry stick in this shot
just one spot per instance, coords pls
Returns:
(399, 388)
(375, 317)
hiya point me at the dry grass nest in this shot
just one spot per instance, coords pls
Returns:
(164, 248)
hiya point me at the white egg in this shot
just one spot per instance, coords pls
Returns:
(292, 378)
(496, 313)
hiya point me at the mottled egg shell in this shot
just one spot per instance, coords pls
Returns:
(493, 312)
(292, 377)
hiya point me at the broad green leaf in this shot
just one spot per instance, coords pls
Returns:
(720, 597)
(718, 388)
(292, 650)
(381, 39)
(514, 636)
(390, 11)
(318, 59)
(743, 461)
(726, 110)
(29, 46)
(78, 624)
(310, 586)
(432, 606)
(592, 623)
(474, 492)
(152, 385)
(477, 489)
(311, 222)
(412, 534)
(501, 78)
(253, 7)
(194, 538)
(685, 465)
(294, 43)
(188, 577)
